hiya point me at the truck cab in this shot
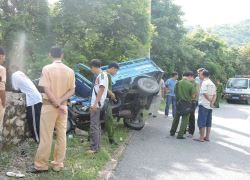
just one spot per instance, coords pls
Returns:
(238, 89)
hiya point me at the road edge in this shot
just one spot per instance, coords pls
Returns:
(108, 170)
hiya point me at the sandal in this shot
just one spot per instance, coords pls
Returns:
(13, 174)
(199, 140)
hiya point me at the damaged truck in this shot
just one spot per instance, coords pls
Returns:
(135, 85)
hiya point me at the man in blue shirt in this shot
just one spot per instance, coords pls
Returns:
(171, 99)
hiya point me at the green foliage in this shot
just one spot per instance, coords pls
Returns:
(169, 31)
(24, 32)
(79, 165)
(216, 56)
(116, 30)
(235, 35)
(105, 29)
(243, 60)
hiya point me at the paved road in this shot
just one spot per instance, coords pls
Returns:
(153, 154)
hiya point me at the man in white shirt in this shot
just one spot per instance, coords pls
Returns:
(207, 99)
(20, 82)
(99, 95)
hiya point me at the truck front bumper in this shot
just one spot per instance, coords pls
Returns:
(238, 97)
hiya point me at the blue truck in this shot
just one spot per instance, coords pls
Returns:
(135, 85)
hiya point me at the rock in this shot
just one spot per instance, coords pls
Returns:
(12, 120)
(5, 133)
(15, 140)
(15, 123)
(19, 123)
(12, 133)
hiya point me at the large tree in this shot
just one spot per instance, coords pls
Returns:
(243, 60)
(25, 32)
(169, 32)
(104, 29)
(217, 57)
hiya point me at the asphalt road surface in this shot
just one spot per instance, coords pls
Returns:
(153, 154)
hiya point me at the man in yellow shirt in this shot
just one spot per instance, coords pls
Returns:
(2, 89)
(58, 82)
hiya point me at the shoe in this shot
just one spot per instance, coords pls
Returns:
(36, 171)
(154, 116)
(172, 134)
(206, 139)
(112, 142)
(180, 137)
(199, 140)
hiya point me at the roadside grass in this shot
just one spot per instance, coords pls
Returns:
(78, 164)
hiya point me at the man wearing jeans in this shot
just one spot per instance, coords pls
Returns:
(207, 99)
(171, 98)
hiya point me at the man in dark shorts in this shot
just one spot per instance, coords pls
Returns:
(207, 99)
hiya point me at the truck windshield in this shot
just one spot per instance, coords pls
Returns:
(237, 83)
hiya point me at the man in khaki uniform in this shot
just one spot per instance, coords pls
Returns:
(2, 90)
(58, 82)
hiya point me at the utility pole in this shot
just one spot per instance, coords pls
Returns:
(149, 19)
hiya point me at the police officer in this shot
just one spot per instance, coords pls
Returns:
(112, 70)
(58, 82)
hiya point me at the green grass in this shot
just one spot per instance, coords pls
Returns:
(78, 164)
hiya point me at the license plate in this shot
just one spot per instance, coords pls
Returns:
(235, 98)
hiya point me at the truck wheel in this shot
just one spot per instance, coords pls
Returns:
(136, 123)
(147, 86)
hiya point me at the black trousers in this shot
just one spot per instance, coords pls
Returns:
(33, 116)
(191, 126)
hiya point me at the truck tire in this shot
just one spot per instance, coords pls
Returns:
(147, 86)
(136, 123)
